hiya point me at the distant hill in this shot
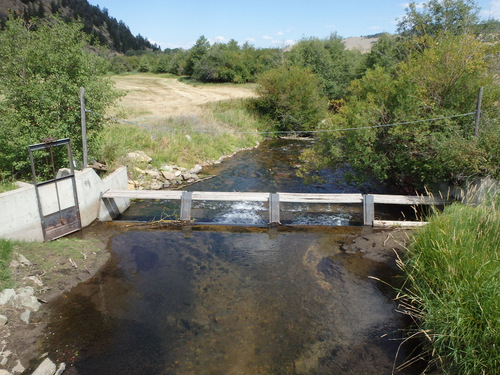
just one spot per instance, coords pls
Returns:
(97, 22)
(362, 43)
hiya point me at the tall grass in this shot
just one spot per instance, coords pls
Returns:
(6, 185)
(453, 287)
(187, 140)
(6, 248)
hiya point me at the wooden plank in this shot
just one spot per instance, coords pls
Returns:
(229, 196)
(391, 224)
(320, 198)
(406, 199)
(368, 210)
(186, 205)
(143, 194)
(274, 209)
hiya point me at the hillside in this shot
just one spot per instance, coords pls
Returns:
(105, 29)
(363, 43)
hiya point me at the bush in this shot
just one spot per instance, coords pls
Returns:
(291, 97)
(43, 67)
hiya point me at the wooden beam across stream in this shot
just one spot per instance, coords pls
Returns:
(274, 199)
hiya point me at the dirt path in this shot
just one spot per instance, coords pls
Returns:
(153, 97)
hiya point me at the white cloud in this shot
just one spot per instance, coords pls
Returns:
(283, 43)
(219, 39)
(492, 11)
(267, 37)
(418, 5)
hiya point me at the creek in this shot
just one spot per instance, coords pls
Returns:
(235, 299)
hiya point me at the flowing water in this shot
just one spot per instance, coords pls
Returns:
(270, 168)
(233, 299)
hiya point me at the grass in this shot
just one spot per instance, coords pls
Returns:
(453, 287)
(6, 185)
(186, 140)
(6, 248)
(46, 256)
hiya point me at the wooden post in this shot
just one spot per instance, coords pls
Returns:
(274, 208)
(368, 209)
(84, 127)
(186, 200)
(478, 111)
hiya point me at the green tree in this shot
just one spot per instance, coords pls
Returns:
(291, 97)
(40, 79)
(437, 16)
(329, 60)
(196, 53)
(440, 81)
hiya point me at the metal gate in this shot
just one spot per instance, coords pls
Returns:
(57, 197)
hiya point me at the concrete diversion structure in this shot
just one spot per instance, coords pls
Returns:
(20, 216)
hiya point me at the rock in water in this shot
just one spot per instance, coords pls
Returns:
(47, 367)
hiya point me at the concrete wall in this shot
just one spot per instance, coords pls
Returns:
(19, 215)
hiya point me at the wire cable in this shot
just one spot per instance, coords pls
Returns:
(278, 132)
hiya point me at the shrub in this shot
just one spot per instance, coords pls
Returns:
(291, 98)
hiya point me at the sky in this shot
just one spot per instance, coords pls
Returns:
(262, 23)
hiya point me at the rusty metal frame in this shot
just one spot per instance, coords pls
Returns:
(61, 222)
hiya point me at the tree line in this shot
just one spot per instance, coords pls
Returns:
(103, 29)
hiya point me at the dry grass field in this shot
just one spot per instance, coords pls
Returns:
(150, 99)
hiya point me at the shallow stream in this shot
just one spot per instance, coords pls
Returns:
(232, 299)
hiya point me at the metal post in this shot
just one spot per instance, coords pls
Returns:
(478, 111)
(84, 127)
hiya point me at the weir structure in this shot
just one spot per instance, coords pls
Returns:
(274, 200)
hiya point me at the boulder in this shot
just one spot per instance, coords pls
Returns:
(3, 320)
(156, 185)
(153, 174)
(168, 175)
(18, 368)
(25, 299)
(6, 296)
(196, 169)
(190, 177)
(139, 170)
(139, 156)
(22, 260)
(25, 316)
(47, 367)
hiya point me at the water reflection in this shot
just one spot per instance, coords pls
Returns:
(228, 302)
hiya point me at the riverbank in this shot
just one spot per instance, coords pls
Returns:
(52, 273)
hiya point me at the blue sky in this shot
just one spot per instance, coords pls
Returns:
(264, 23)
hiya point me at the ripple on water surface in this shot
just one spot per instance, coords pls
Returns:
(239, 302)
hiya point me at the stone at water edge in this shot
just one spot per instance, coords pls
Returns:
(6, 296)
(168, 175)
(47, 367)
(153, 173)
(22, 259)
(196, 169)
(25, 316)
(25, 299)
(3, 320)
(18, 368)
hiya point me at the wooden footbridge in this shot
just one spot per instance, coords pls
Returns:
(368, 201)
